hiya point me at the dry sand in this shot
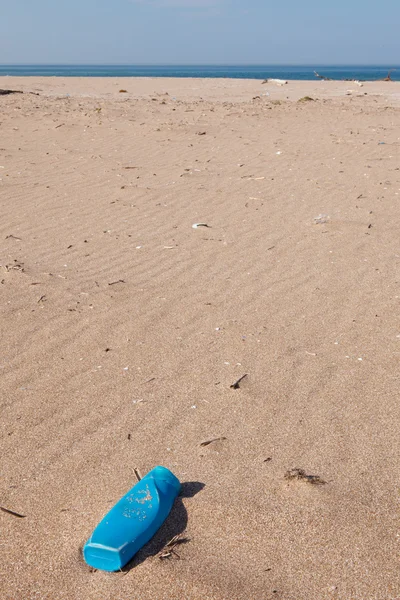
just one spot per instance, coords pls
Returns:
(122, 329)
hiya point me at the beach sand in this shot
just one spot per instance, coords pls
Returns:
(122, 329)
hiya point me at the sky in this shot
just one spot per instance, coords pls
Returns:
(309, 32)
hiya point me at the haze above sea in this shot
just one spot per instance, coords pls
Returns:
(365, 73)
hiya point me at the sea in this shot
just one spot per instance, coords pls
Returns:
(362, 73)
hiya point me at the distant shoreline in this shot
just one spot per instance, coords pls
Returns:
(204, 89)
(245, 72)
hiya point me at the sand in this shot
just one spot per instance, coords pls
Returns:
(122, 329)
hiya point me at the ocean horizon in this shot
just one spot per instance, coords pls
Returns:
(293, 72)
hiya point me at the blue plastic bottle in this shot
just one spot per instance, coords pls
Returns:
(133, 521)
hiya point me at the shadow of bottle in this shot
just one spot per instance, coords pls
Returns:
(174, 525)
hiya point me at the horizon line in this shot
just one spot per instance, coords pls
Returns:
(116, 64)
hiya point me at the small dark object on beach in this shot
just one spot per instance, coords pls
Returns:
(197, 225)
(12, 512)
(115, 282)
(301, 475)
(208, 442)
(236, 385)
(201, 133)
(306, 99)
(8, 92)
(123, 91)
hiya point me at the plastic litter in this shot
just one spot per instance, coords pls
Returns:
(321, 219)
(133, 521)
(277, 81)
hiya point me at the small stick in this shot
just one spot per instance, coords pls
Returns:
(12, 512)
(6, 92)
(137, 474)
(61, 124)
(208, 442)
(119, 281)
(236, 385)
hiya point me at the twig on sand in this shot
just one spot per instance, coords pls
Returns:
(12, 512)
(115, 282)
(7, 92)
(208, 442)
(236, 385)
(137, 474)
(169, 549)
(197, 225)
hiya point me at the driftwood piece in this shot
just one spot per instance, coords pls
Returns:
(7, 92)
(12, 512)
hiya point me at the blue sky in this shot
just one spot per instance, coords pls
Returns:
(200, 31)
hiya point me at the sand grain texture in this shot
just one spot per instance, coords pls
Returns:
(123, 329)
